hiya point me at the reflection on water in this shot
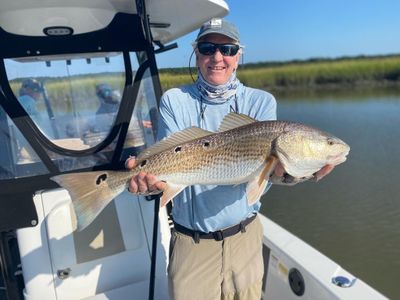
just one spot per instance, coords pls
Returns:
(353, 215)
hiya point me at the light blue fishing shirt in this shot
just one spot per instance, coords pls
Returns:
(209, 208)
(29, 105)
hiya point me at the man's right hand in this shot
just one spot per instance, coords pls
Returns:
(143, 183)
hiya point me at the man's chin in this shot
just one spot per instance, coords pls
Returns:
(216, 79)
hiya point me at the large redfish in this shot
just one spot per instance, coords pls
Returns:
(243, 150)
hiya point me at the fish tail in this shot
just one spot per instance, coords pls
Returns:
(90, 193)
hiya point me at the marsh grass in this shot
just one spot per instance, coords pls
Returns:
(343, 72)
(76, 93)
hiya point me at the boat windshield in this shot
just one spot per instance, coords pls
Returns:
(73, 101)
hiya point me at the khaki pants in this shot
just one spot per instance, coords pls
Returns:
(211, 270)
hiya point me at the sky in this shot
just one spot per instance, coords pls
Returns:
(283, 30)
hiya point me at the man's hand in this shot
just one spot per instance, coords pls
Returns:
(323, 172)
(147, 124)
(279, 170)
(143, 183)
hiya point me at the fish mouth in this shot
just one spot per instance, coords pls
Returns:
(338, 159)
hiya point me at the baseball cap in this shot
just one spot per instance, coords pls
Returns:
(105, 92)
(32, 84)
(220, 26)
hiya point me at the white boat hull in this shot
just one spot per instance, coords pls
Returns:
(117, 266)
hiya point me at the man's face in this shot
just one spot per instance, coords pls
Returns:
(34, 93)
(216, 68)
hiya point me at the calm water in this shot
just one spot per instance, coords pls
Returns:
(353, 215)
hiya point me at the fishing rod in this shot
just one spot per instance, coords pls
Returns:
(49, 110)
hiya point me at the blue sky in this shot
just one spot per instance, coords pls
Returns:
(284, 30)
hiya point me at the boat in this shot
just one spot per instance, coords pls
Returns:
(64, 51)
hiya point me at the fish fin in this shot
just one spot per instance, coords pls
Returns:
(257, 185)
(90, 193)
(234, 120)
(174, 140)
(170, 192)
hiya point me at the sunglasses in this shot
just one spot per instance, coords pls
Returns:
(107, 93)
(207, 48)
(33, 88)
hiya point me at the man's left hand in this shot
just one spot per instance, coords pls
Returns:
(323, 172)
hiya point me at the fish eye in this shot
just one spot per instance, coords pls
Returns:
(330, 142)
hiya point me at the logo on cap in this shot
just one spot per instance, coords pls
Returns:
(216, 23)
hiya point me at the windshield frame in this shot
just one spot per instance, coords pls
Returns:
(19, 191)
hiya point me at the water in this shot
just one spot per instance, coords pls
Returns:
(352, 215)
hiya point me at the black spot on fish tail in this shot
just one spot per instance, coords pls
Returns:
(206, 144)
(101, 178)
(143, 163)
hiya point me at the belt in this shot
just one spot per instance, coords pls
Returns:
(218, 235)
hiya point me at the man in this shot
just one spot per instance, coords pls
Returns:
(216, 246)
(109, 99)
(29, 93)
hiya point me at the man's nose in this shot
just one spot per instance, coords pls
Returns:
(217, 55)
